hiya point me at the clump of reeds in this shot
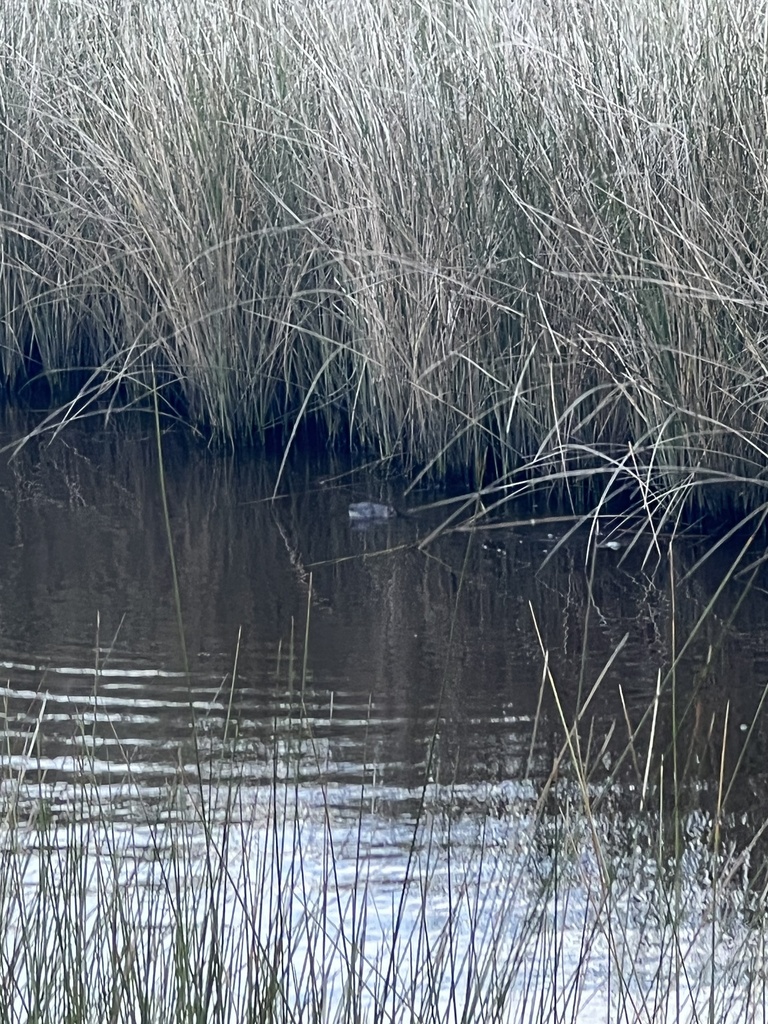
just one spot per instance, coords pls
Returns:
(233, 902)
(481, 236)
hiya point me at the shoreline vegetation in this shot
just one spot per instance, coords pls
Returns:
(608, 894)
(271, 908)
(524, 248)
(509, 245)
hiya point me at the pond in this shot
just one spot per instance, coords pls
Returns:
(406, 697)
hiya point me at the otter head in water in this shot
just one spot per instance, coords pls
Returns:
(370, 510)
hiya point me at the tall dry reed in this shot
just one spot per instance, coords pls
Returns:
(478, 235)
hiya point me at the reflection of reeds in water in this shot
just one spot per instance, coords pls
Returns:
(611, 878)
(615, 872)
(391, 618)
(481, 236)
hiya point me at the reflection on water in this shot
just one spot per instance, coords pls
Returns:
(467, 914)
(393, 682)
(399, 635)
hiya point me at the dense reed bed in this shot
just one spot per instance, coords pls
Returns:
(490, 238)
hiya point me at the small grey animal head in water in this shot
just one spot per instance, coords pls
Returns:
(369, 510)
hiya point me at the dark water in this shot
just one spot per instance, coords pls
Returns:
(404, 639)
(352, 672)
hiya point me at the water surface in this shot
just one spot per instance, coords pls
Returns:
(362, 662)
(399, 634)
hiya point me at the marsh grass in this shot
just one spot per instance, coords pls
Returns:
(575, 901)
(487, 238)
